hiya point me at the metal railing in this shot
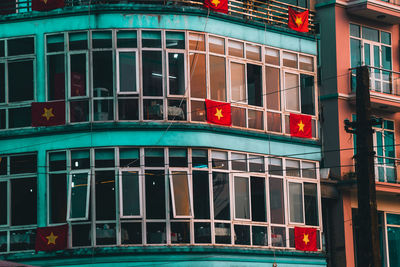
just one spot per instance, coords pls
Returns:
(270, 11)
(380, 80)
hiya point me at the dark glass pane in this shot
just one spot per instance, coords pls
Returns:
(105, 195)
(177, 110)
(21, 46)
(103, 84)
(258, 199)
(105, 234)
(201, 198)
(197, 66)
(78, 41)
(79, 111)
(260, 236)
(57, 161)
(254, 85)
(156, 233)
(202, 233)
(57, 197)
(20, 89)
(393, 219)
(238, 116)
(23, 164)
(2, 52)
(2, 83)
(102, 39)
(199, 158)
(131, 233)
(2, 119)
(55, 43)
(3, 204)
(175, 40)
(81, 235)
(23, 201)
(154, 157)
(311, 204)
(79, 195)
(242, 235)
(278, 236)
(22, 240)
(291, 238)
(128, 109)
(152, 73)
(103, 110)
(78, 75)
(178, 157)
(127, 72)
(277, 205)
(180, 233)
(221, 196)
(56, 77)
(3, 241)
(126, 39)
(155, 195)
(19, 117)
(80, 159)
(129, 157)
(198, 112)
(151, 39)
(104, 158)
(393, 234)
(3, 165)
(307, 94)
(223, 233)
(153, 109)
(131, 203)
(176, 75)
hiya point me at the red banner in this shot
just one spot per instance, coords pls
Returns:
(305, 238)
(48, 113)
(217, 5)
(51, 238)
(298, 21)
(218, 112)
(45, 5)
(300, 125)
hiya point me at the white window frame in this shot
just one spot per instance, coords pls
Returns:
(240, 101)
(287, 89)
(121, 202)
(171, 184)
(89, 178)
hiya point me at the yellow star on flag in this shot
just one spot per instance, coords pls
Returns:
(215, 2)
(218, 113)
(48, 113)
(51, 239)
(301, 126)
(305, 239)
(298, 21)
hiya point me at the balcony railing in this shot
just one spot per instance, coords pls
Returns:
(267, 12)
(380, 80)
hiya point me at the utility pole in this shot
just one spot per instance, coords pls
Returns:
(368, 254)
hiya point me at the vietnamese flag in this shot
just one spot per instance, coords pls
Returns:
(217, 5)
(300, 125)
(305, 238)
(218, 112)
(48, 113)
(298, 21)
(51, 238)
(46, 5)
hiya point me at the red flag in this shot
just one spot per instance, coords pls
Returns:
(51, 238)
(217, 5)
(48, 113)
(218, 112)
(305, 238)
(300, 125)
(298, 21)
(45, 5)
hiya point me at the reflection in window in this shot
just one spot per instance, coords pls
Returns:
(276, 200)
(180, 233)
(131, 233)
(176, 75)
(78, 203)
(156, 233)
(242, 199)
(153, 109)
(217, 78)
(152, 73)
(176, 110)
(78, 74)
(180, 194)
(198, 75)
(221, 196)
(130, 200)
(292, 92)
(127, 72)
(296, 202)
(238, 86)
(223, 233)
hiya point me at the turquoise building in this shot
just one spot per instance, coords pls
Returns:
(136, 171)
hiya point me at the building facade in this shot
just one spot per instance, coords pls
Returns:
(136, 172)
(353, 34)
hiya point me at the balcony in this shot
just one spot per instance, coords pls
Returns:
(384, 88)
(263, 12)
(382, 11)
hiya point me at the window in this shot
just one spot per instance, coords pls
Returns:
(130, 184)
(78, 196)
(180, 194)
(242, 197)
(384, 144)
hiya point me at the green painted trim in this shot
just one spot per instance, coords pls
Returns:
(157, 17)
(156, 134)
(325, 4)
(330, 96)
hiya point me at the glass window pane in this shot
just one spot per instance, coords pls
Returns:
(242, 200)
(355, 52)
(57, 198)
(151, 39)
(292, 92)
(180, 194)
(155, 186)
(103, 109)
(370, 34)
(152, 73)
(80, 159)
(253, 52)
(103, 84)
(258, 199)
(386, 57)
(307, 94)
(105, 234)
(3, 241)
(56, 77)
(277, 204)
(254, 85)
(296, 202)
(311, 204)
(223, 233)
(129, 157)
(278, 236)
(176, 76)
(220, 160)
(20, 89)
(23, 201)
(22, 240)
(201, 198)
(180, 233)
(238, 86)
(221, 196)
(131, 233)
(255, 119)
(273, 88)
(274, 122)
(154, 157)
(102, 39)
(235, 48)
(127, 72)
(275, 166)
(21, 46)
(23, 164)
(55, 43)
(289, 60)
(79, 195)
(354, 30)
(153, 109)
(393, 219)
(199, 158)
(260, 235)
(2, 83)
(126, 39)
(78, 75)
(19, 117)
(242, 234)
(293, 168)
(3, 165)
(198, 75)
(130, 193)
(104, 158)
(393, 234)
(78, 41)
(238, 116)
(306, 63)
(79, 111)
(256, 163)
(3, 204)
(239, 162)
(196, 42)
(202, 233)
(217, 78)
(2, 52)
(178, 157)
(81, 235)
(216, 45)
(198, 112)
(386, 38)
(175, 40)
(272, 56)
(128, 109)
(156, 233)
(309, 170)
